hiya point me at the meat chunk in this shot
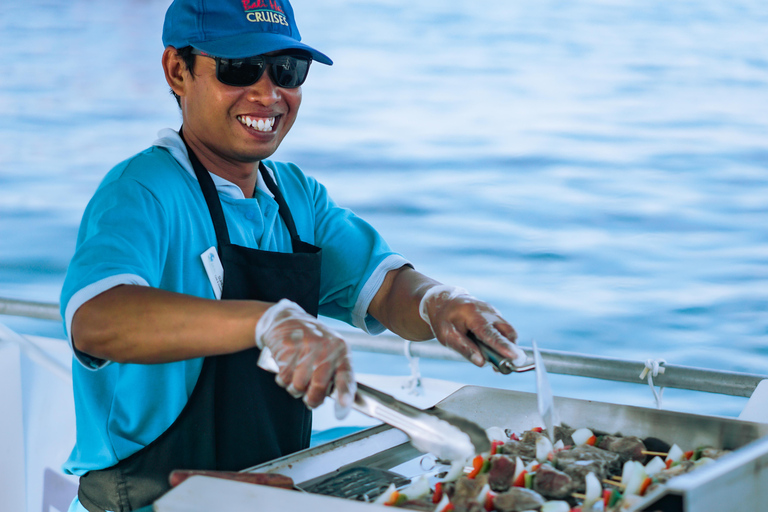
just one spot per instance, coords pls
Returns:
(423, 505)
(501, 473)
(563, 433)
(581, 460)
(628, 447)
(465, 492)
(551, 483)
(530, 437)
(518, 499)
(524, 450)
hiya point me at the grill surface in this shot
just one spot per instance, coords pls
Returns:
(736, 481)
(357, 483)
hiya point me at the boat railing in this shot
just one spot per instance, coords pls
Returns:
(566, 363)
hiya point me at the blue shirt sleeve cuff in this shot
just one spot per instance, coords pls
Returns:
(360, 317)
(84, 295)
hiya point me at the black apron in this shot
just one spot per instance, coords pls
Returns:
(237, 416)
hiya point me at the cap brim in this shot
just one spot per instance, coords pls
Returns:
(248, 45)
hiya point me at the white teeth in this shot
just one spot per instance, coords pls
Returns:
(262, 125)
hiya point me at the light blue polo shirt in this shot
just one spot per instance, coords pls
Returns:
(148, 225)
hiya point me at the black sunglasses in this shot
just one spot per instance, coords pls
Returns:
(286, 71)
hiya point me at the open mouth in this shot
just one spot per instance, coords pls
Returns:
(261, 124)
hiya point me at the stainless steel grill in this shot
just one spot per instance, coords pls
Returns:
(737, 481)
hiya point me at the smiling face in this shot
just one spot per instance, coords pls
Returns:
(230, 128)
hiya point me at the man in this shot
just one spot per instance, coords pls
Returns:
(198, 252)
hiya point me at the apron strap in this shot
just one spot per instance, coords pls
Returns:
(214, 205)
(210, 194)
(283, 209)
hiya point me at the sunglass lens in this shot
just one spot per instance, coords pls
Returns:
(288, 71)
(240, 72)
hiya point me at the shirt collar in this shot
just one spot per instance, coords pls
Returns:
(170, 140)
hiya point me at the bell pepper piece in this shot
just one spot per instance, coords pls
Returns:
(606, 497)
(488, 505)
(477, 465)
(644, 486)
(392, 499)
(520, 480)
(615, 496)
(592, 440)
(438, 494)
(528, 480)
(495, 446)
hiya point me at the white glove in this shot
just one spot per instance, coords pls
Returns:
(312, 359)
(451, 312)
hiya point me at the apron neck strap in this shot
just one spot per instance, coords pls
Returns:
(210, 194)
(283, 210)
(214, 204)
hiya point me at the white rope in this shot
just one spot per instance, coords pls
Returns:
(652, 369)
(413, 384)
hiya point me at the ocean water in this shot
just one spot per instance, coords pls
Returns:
(598, 170)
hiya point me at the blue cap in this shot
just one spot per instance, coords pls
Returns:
(235, 29)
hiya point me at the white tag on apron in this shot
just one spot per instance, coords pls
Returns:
(215, 271)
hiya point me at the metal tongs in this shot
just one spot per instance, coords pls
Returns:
(446, 435)
(500, 363)
(544, 395)
(543, 391)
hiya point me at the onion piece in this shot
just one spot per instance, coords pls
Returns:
(384, 497)
(703, 462)
(654, 466)
(581, 436)
(519, 468)
(456, 470)
(483, 492)
(444, 502)
(675, 453)
(496, 434)
(556, 506)
(594, 490)
(543, 448)
(417, 489)
(636, 479)
(626, 472)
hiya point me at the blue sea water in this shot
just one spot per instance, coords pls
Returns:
(598, 169)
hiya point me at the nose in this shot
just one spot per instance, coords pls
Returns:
(264, 91)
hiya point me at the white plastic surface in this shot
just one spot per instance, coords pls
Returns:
(205, 494)
(757, 406)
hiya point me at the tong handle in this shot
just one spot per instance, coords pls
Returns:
(500, 363)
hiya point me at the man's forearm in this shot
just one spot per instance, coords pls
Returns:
(138, 324)
(396, 305)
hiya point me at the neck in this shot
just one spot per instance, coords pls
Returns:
(243, 174)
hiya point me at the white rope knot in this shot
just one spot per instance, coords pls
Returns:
(413, 384)
(652, 369)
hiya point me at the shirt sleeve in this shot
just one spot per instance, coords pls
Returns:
(123, 239)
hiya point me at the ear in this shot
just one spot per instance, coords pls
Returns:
(175, 69)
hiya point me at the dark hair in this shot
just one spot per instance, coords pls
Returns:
(189, 61)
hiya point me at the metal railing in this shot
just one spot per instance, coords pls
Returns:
(565, 363)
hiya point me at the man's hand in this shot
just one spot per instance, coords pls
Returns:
(312, 359)
(451, 313)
